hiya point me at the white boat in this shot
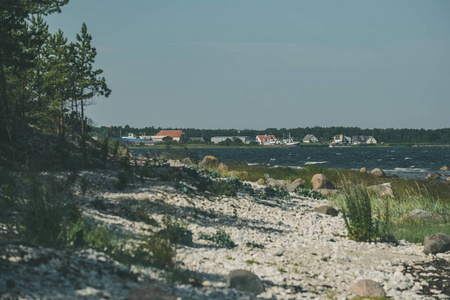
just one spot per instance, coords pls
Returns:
(290, 142)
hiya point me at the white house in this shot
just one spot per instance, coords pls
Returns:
(267, 139)
(360, 139)
(309, 138)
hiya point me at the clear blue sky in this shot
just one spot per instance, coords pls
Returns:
(258, 64)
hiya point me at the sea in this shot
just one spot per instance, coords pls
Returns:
(407, 162)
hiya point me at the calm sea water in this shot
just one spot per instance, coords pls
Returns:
(401, 161)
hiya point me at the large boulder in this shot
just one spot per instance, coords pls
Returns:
(368, 288)
(378, 172)
(319, 181)
(245, 281)
(384, 189)
(436, 243)
(209, 162)
(445, 168)
(363, 170)
(433, 176)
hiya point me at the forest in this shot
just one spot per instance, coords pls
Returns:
(324, 134)
(45, 80)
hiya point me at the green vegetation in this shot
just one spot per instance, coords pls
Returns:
(222, 239)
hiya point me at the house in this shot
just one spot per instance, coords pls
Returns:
(244, 139)
(341, 139)
(360, 139)
(176, 135)
(309, 138)
(266, 139)
(162, 138)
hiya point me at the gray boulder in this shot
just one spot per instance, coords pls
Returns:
(276, 183)
(436, 243)
(327, 210)
(378, 172)
(320, 181)
(368, 288)
(245, 281)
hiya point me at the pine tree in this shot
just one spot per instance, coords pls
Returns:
(88, 82)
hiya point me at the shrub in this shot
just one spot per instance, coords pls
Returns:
(122, 180)
(254, 245)
(222, 239)
(309, 193)
(176, 233)
(357, 214)
(47, 217)
(270, 192)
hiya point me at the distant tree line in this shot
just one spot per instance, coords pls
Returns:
(44, 79)
(324, 134)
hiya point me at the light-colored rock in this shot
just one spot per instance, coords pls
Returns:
(436, 243)
(320, 181)
(384, 189)
(368, 288)
(445, 168)
(298, 180)
(246, 281)
(433, 176)
(209, 162)
(293, 186)
(222, 168)
(378, 172)
(363, 170)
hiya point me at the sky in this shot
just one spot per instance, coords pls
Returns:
(256, 64)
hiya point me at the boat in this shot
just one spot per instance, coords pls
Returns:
(131, 139)
(290, 142)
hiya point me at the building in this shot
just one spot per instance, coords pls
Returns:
(176, 135)
(266, 139)
(309, 138)
(244, 139)
(360, 139)
(341, 139)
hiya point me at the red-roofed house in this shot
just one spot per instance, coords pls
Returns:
(176, 135)
(266, 139)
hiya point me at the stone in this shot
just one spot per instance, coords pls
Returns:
(319, 181)
(276, 183)
(222, 168)
(298, 180)
(436, 243)
(209, 162)
(363, 170)
(440, 219)
(378, 172)
(246, 281)
(417, 215)
(445, 168)
(293, 186)
(384, 189)
(327, 210)
(447, 179)
(368, 288)
(433, 176)
(260, 181)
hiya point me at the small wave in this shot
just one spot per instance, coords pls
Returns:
(272, 159)
(315, 162)
(408, 158)
(409, 170)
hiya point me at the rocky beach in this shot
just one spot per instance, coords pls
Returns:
(278, 249)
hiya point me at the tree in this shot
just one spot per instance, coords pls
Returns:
(88, 82)
(13, 16)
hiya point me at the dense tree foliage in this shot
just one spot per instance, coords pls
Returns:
(44, 79)
(324, 134)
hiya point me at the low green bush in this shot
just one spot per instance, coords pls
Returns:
(176, 233)
(222, 239)
(278, 193)
(309, 193)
